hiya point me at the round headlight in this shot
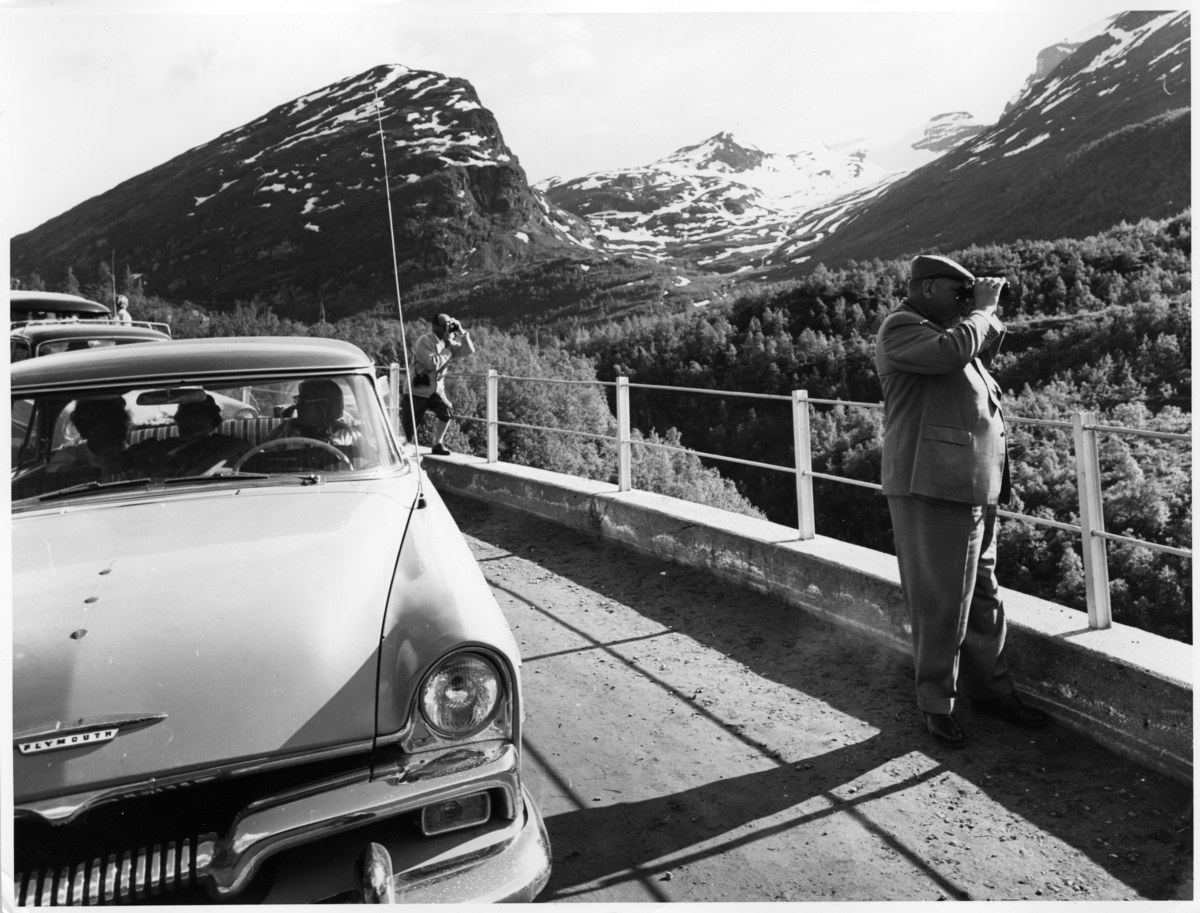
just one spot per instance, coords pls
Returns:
(461, 695)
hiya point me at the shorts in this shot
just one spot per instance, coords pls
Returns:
(436, 403)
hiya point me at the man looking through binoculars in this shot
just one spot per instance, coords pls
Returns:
(945, 468)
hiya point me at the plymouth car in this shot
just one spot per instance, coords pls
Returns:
(254, 659)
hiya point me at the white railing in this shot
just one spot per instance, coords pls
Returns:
(1083, 426)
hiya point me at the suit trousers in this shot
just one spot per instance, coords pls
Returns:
(947, 556)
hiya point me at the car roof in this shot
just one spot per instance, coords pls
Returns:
(42, 332)
(55, 302)
(191, 359)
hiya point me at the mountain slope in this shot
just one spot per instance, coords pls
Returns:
(1105, 137)
(292, 205)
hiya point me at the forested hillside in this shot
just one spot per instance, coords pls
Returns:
(1100, 324)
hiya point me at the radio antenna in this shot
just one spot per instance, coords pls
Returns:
(399, 307)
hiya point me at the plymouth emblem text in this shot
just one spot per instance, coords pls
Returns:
(68, 741)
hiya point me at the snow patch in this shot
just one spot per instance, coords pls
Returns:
(397, 70)
(439, 85)
(311, 227)
(1037, 140)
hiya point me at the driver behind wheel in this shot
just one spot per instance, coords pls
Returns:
(319, 408)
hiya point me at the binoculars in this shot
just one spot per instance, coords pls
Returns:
(967, 292)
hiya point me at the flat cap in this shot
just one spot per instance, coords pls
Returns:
(931, 266)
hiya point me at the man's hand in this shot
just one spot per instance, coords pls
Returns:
(987, 294)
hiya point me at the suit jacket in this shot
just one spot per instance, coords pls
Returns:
(943, 429)
(431, 360)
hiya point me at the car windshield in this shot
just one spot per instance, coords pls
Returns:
(292, 429)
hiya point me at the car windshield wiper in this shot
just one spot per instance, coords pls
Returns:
(309, 478)
(94, 486)
(227, 476)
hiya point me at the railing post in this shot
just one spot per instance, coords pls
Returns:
(806, 515)
(624, 464)
(1091, 521)
(493, 443)
(394, 397)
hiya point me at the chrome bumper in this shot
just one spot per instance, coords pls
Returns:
(510, 866)
(319, 830)
(324, 810)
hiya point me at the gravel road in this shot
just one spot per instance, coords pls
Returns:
(688, 740)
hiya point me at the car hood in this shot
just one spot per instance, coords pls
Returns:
(250, 618)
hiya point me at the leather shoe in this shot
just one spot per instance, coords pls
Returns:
(1011, 709)
(944, 728)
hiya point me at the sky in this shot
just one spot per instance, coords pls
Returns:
(99, 91)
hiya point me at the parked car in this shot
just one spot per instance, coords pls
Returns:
(34, 339)
(35, 305)
(46, 323)
(275, 674)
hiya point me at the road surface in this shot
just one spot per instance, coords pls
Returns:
(691, 741)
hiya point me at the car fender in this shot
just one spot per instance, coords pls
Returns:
(439, 603)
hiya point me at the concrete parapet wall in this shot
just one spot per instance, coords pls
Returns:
(1126, 689)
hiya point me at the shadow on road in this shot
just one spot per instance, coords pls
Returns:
(668, 825)
(1132, 822)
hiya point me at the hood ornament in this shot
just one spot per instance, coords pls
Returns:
(87, 731)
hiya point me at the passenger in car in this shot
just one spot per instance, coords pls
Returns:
(102, 423)
(198, 449)
(319, 415)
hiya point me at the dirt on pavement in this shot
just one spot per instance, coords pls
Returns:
(688, 740)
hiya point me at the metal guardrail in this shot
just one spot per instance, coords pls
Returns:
(1083, 426)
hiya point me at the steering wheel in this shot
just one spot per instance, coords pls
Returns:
(237, 464)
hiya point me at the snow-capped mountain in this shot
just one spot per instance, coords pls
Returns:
(1051, 57)
(719, 204)
(914, 148)
(946, 131)
(1104, 136)
(292, 205)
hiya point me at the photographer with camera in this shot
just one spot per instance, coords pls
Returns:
(945, 469)
(431, 359)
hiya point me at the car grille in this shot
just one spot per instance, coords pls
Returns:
(117, 877)
(131, 850)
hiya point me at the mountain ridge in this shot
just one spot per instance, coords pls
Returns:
(1096, 142)
(289, 208)
(242, 214)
